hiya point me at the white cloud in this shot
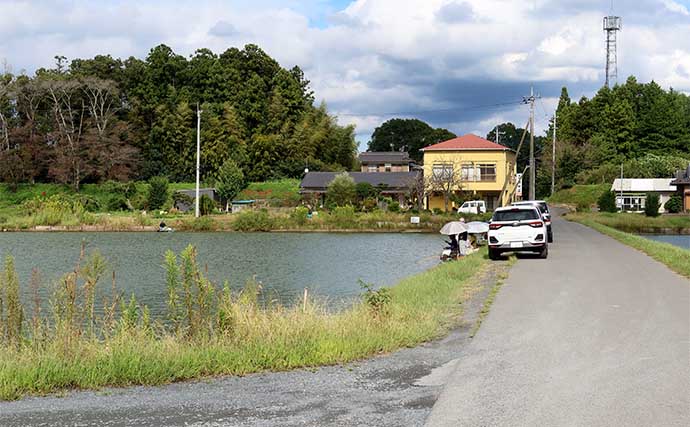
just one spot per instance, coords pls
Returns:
(675, 7)
(379, 56)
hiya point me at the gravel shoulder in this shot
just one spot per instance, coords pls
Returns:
(389, 390)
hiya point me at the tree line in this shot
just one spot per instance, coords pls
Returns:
(105, 118)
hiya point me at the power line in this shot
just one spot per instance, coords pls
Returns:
(455, 109)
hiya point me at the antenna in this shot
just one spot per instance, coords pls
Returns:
(612, 24)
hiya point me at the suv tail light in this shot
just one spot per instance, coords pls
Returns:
(495, 226)
(536, 224)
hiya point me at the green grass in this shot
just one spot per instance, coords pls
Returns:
(637, 223)
(282, 192)
(138, 351)
(677, 259)
(580, 194)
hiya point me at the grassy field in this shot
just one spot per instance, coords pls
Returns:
(580, 195)
(677, 259)
(637, 223)
(283, 192)
(211, 332)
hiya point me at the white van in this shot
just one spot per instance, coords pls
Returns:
(473, 207)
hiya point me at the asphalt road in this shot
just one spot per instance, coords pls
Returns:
(597, 335)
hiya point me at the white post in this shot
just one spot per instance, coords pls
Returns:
(553, 156)
(198, 155)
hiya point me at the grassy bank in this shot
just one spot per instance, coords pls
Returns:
(579, 195)
(637, 223)
(100, 208)
(677, 259)
(209, 331)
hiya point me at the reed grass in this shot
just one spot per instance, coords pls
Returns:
(209, 330)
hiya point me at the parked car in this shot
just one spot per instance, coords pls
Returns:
(473, 207)
(545, 213)
(517, 229)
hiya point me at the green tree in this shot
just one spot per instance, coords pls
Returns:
(341, 191)
(652, 205)
(158, 192)
(229, 181)
(409, 135)
(607, 202)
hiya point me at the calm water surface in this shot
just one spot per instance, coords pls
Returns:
(328, 264)
(675, 239)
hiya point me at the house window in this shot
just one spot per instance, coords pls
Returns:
(388, 167)
(632, 203)
(443, 171)
(373, 168)
(468, 172)
(487, 172)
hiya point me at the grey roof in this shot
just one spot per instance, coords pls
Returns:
(643, 185)
(394, 181)
(392, 157)
(682, 177)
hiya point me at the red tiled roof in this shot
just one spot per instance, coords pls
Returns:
(465, 142)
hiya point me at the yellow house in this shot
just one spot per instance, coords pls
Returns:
(469, 164)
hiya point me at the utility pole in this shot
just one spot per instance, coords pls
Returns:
(621, 192)
(198, 155)
(532, 175)
(498, 134)
(553, 155)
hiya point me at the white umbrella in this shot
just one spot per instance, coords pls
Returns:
(453, 228)
(477, 227)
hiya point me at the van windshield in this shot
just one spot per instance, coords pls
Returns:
(516, 215)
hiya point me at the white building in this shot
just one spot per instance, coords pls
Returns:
(633, 194)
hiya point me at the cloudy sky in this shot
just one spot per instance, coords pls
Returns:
(459, 64)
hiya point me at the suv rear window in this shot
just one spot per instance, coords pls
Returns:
(516, 215)
(543, 207)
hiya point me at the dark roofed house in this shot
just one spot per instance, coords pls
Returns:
(392, 184)
(385, 161)
(682, 183)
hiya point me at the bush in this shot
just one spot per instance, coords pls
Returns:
(437, 211)
(341, 191)
(583, 207)
(607, 202)
(158, 192)
(117, 202)
(343, 217)
(206, 205)
(180, 199)
(253, 221)
(369, 204)
(200, 224)
(394, 206)
(674, 204)
(652, 205)
(365, 190)
(300, 215)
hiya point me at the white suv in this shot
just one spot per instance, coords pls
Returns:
(517, 229)
(544, 209)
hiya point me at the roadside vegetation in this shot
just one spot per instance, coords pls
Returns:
(582, 196)
(677, 259)
(637, 223)
(208, 330)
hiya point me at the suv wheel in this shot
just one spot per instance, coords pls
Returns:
(494, 254)
(544, 253)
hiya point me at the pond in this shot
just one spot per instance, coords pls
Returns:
(682, 240)
(330, 265)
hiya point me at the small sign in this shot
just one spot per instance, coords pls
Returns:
(414, 220)
(518, 179)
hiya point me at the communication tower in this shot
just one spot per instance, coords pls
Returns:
(612, 24)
